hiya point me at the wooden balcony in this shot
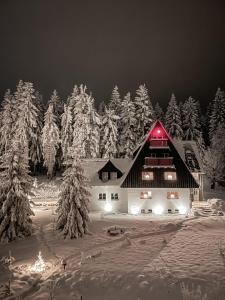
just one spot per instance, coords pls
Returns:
(158, 161)
(159, 143)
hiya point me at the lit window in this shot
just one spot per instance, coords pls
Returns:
(170, 175)
(172, 195)
(146, 195)
(102, 196)
(147, 175)
(114, 196)
(105, 176)
(113, 175)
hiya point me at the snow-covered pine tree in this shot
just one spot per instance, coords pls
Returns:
(214, 158)
(115, 101)
(72, 206)
(66, 131)
(127, 140)
(173, 119)
(73, 97)
(191, 120)
(217, 115)
(27, 125)
(57, 107)
(86, 132)
(144, 111)
(101, 108)
(50, 140)
(15, 185)
(8, 118)
(159, 114)
(110, 134)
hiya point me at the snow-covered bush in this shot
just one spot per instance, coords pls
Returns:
(218, 205)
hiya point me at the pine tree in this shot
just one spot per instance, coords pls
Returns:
(115, 101)
(27, 125)
(8, 118)
(72, 206)
(66, 131)
(57, 107)
(173, 119)
(214, 159)
(86, 133)
(217, 115)
(101, 108)
(15, 185)
(50, 140)
(128, 124)
(191, 120)
(110, 134)
(144, 111)
(159, 114)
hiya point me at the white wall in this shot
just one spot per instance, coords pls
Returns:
(129, 198)
(120, 205)
(159, 199)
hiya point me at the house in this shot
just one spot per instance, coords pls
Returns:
(159, 179)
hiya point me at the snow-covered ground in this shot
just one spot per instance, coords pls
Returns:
(157, 258)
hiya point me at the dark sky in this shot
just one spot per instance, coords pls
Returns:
(173, 46)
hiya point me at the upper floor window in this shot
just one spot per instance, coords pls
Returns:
(114, 196)
(146, 195)
(172, 195)
(170, 175)
(105, 176)
(102, 196)
(113, 175)
(147, 176)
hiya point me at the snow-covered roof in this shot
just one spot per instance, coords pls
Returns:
(92, 166)
(189, 152)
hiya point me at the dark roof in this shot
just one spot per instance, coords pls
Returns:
(133, 178)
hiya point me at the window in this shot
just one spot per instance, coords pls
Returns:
(114, 196)
(113, 175)
(105, 176)
(172, 195)
(146, 195)
(170, 175)
(147, 176)
(102, 196)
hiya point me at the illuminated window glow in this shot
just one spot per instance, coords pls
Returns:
(170, 175)
(147, 176)
(146, 195)
(172, 195)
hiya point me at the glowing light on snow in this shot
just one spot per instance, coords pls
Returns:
(182, 210)
(158, 210)
(108, 207)
(134, 210)
(39, 265)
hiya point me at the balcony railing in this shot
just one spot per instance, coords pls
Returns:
(158, 161)
(163, 143)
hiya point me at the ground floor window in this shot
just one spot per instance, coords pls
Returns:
(172, 195)
(146, 195)
(114, 196)
(102, 196)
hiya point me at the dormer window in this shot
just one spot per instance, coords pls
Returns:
(170, 176)
(105, 176)
(147, 176)
(113, 175)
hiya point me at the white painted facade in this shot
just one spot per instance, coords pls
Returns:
(130, 201)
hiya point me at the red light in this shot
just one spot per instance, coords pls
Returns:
(158, 131)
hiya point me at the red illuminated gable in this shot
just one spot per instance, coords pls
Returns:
(158, 131)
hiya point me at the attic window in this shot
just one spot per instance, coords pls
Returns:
(105, 176)
(113, 175)
(170, 175)
(147, 176)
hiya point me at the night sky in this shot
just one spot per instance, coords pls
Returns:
(172, 46)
